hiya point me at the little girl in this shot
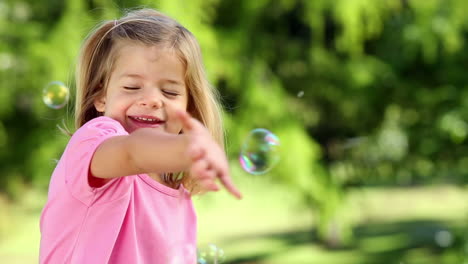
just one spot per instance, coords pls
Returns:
(149, 135)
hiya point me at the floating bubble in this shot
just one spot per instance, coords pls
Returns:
(443, 238)
(260, 151)
(55, 95)
(201, 259)
(300, 94)
(212, 254)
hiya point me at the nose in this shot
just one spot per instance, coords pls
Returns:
(152, 100)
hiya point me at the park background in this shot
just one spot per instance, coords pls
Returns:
(368, 97)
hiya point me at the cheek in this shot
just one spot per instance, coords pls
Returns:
(122, 102)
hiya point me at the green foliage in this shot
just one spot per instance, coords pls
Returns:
(382, 84)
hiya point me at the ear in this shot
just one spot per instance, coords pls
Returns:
(100, 104)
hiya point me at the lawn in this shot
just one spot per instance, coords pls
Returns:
(392, 225)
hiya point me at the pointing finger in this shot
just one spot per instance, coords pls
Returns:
(227, 182)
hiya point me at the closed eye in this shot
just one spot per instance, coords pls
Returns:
(131, 88)
(170, 93)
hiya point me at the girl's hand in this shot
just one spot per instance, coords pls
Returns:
(208, 159)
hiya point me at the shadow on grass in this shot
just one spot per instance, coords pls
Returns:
(422, 241)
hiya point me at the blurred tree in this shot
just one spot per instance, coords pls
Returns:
(360, 92)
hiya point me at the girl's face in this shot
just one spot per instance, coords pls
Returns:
(145, 88)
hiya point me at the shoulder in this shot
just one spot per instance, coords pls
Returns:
(100, 126)
(95, 131)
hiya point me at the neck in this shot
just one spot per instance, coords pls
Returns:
(163, 178)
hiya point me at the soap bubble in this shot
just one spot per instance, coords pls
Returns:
(201, 259)
(212, 254)
(260, 151)
(55, 95)
(443, 238)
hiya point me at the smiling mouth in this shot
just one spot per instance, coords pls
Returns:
(147, 120)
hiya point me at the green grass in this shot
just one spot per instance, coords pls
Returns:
(19, 233)
(392, 225)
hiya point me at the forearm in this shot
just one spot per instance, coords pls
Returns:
(143, 151)
(156, 151)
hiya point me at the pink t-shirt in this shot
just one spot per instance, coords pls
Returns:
(131, 219)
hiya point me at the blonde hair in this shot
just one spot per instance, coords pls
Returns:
(149, 27)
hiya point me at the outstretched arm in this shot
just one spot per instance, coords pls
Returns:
(143, 151)
(147, 150)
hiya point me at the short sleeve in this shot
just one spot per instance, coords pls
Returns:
(79, 152)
